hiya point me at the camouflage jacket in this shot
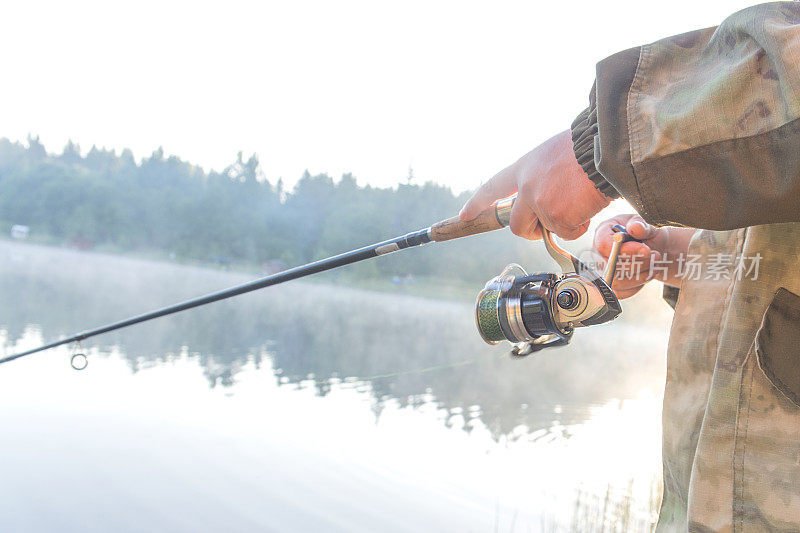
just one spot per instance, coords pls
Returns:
(703, 130)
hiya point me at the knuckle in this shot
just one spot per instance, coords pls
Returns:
(488, 187)
(559, 214)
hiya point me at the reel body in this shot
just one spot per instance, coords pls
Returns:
(542, 310)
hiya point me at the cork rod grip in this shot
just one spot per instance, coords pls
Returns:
(495, 217)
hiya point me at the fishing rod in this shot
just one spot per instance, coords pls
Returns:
(493, 218)
(531, 311)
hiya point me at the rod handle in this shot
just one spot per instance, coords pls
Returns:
(495, 217)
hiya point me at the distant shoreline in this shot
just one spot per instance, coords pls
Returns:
(421, 287)
(645, 309)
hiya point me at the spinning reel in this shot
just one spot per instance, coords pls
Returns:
(536, 311)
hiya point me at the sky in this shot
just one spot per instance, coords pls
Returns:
(455, 90)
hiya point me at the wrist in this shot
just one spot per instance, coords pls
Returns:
(584, 131)
(601, 199)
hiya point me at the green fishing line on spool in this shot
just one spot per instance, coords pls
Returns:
(488, 320)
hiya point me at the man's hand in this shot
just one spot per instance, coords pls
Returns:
(658, 244)
(642, 254)
(553, 191)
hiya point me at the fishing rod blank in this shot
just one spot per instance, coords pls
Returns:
(494, 218)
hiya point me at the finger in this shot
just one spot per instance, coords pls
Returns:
(567, 233)
(501, 185)
(604, 237)
(627, 293)
(655, 238)
(639, 229)
(632, 271)
(533, 232)
(635, 249)
(620, 285)
(536, 234)
(523, 217)
(570, 234)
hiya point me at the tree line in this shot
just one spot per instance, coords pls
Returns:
(162, 203)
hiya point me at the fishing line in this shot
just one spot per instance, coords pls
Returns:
(425, 370)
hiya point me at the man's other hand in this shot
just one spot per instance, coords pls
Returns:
(665, 245)
(554, 191)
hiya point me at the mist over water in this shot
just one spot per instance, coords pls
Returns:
(306, 407)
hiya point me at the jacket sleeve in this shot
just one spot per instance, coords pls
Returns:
(702, 129)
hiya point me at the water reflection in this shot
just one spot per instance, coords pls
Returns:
(409, 346)
(318, 366)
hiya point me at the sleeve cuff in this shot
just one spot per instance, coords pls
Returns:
(584, 130)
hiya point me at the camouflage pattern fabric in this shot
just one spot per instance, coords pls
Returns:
(730, 82)
(731, 448)
(714, 138)
(703, 129)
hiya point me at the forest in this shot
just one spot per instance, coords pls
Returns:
(162, 204)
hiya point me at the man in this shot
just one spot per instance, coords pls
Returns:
(701, 130)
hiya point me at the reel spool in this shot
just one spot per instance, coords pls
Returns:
(539, 311)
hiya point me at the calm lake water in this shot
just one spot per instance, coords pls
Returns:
(309, 407)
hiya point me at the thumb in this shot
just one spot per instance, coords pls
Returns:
(641, 230)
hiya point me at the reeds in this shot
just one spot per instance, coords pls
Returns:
(616, 510)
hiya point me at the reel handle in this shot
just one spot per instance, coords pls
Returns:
(495, 217)
(621, 236)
